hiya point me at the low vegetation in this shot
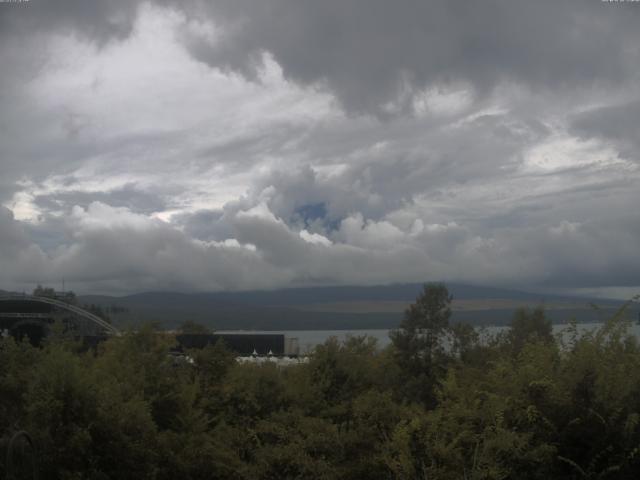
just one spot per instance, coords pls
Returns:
(439, 403)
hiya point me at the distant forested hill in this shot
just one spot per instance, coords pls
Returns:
(330, 308)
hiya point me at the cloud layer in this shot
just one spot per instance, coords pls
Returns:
(234, 145)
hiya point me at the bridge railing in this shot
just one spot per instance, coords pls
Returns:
(66, 306)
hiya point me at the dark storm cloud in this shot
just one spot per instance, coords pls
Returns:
(109, 249)
(50, 233)
(420, 158)
(616, 123)
(455, 151)
(207, 225)
(99, 21)
(572, 254)
(370, 51)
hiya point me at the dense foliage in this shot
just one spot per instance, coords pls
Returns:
(440, 402)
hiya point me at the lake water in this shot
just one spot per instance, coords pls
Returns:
(308, 339)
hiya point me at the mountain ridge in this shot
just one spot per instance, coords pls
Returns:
(302, 295)
(341, 307)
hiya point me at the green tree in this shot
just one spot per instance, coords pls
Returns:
(189, 326)
(529, 326)
(419, 342)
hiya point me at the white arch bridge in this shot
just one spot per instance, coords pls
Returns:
(108, 328)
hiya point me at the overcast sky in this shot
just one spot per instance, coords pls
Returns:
(249, 144)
